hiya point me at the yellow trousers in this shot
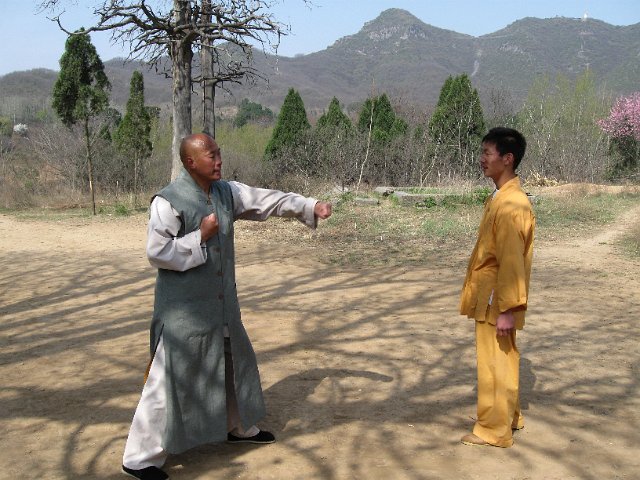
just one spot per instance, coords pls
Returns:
(498, 383)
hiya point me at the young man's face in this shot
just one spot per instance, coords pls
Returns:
(494, 165)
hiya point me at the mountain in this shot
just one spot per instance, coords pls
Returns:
(401, 55)
(396, 53)
(157, 86)
(531, 47)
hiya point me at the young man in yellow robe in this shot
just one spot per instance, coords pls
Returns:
(496, 287)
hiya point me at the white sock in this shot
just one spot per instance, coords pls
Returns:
(250, 432)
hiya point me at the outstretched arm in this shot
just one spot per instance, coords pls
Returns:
(250, 203)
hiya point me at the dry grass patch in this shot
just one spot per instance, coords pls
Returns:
(630, 242)
(560, 216)
(360, 235)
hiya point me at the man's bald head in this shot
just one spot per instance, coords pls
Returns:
(191, 143)
(200, 157)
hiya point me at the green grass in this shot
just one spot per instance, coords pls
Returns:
(121, 209)
(103, 211)
(50, 214)
(392, 234)
(562, 216)
(449, 227)
(425, 190)
(453, 199)
(474, 195)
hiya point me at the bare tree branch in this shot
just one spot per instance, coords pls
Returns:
(153, 30)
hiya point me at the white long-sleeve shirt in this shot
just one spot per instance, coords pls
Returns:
(166, 250)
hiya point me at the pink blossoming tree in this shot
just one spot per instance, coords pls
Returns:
(623, 126)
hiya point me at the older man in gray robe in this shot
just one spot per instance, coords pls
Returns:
(203, 384)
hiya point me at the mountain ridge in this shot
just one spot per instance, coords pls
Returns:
(401, 55)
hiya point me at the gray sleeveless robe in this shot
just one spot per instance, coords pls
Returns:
(190, 311)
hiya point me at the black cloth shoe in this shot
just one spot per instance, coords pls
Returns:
(261, 437)
(149, 473)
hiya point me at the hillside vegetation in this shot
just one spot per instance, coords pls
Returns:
(406, 58)
(398, 103)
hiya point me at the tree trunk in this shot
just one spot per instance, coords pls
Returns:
(181, 56)
(208, 93)
(136, 162)
(87, 137)
(366, 155)
(208, 85)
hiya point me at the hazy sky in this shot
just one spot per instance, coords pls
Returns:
(29, 40)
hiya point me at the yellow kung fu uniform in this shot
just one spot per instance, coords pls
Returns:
(497, 280)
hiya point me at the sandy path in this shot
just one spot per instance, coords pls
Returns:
(368, 373)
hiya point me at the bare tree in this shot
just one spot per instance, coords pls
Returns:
(152, 30)
(220, 65)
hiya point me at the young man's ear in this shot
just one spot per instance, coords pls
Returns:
(508, 159)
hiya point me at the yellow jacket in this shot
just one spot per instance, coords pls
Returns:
(500, 266)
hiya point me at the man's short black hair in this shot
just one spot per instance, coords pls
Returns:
(507, 140)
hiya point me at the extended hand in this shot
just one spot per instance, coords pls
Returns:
(208, 227)
(505, 323)
(322, 210)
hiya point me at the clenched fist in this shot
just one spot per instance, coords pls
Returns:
(322, 210)
(208, 227)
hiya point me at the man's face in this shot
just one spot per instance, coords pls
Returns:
(207, 161)
(492, 163)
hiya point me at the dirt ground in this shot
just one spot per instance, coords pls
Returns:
(368, 372)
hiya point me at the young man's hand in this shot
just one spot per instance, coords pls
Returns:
(322, 210)
(505, 323)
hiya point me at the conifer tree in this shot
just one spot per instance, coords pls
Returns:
(133, 135)
(81, 91)
(334, 132)
(155, 32)
(334, 117)
(457, 123)
(292, 123)
(378, 114)
(249, 111)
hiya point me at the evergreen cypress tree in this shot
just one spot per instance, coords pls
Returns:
(133, 135)
(334, 117)
(81, 91)
(383, 117)
(249, 111)
(292, 123)
(384, 123)
(333, 133)
(457, 123)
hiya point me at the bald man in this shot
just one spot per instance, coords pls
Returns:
(203, 384)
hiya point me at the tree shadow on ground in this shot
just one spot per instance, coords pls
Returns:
(366, 371)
